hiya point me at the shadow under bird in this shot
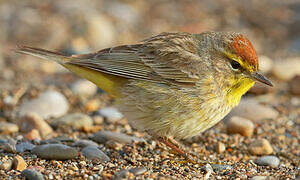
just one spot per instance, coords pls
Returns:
(172, 84)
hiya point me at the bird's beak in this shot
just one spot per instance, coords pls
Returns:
(258, 77)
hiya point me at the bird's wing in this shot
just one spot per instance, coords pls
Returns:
(168, 57)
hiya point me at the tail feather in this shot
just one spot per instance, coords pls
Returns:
(42, 53)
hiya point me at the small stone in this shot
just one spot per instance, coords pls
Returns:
(259, 178)
(48, 104)
(221, 167)
(33, 121)
(208, 170)
(220, 147)
(76, 120)
(295, 85)
(7, 128)
(260, 147)
(123, 174)
(241, 126)
(55, 152)
(84, 88)
(286, 69)
(24, 146)
(138, 171)
(9, 146)
(272, 161)
(6, 165)
(83, 143)
(95, 154)
(98, 120)
(19, 163)
(32, 174)
(33, 134)
(111, 114)
(246, 108)
(265, 64)
(104, 136)
(92, 105)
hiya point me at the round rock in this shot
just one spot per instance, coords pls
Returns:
(84, 88)
(76, 120)
(83, 143)
(260, 147)
(55, 152)
(246, 108)
(111, 114)
(48, 104)
(93, 153)
(104, 136)
(272, 161)
(34, 121)
(32, 174)
(295, 85)
(19, 163)
(241, 126)
(6, 127)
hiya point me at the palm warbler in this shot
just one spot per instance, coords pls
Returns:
(172, 84)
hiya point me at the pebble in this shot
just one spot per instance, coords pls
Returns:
(32, 174)
(138, 171)
(221, 167)
(295, 85)
(220, 147)
(111, 114)
(260, 147)
(208, 171)
(48, 104)
(83, 143)
(104, 136)
(93, 153)
(246, 108)
(75, 120)
(272, 161)
(19, 163)
(55, 152)
(241, 126)
(9, 146)
(287, 69)
(34, 134)
(84, 88)
(6, 127)
(34, 121)
(24, 146)
(259, 178)
(6, 165)
(123, 174)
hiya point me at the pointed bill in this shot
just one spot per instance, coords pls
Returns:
(258, 77)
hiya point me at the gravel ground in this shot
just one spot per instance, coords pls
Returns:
(54, 125)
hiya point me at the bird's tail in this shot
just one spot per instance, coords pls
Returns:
(44, 54)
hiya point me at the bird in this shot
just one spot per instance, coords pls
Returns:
(173, 85)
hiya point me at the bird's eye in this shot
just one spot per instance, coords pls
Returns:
(235, 65)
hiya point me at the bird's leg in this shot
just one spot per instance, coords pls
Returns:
(171, 143)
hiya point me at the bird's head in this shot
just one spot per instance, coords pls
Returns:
(235, 61)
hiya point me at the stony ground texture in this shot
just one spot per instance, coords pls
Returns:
(54, 125)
